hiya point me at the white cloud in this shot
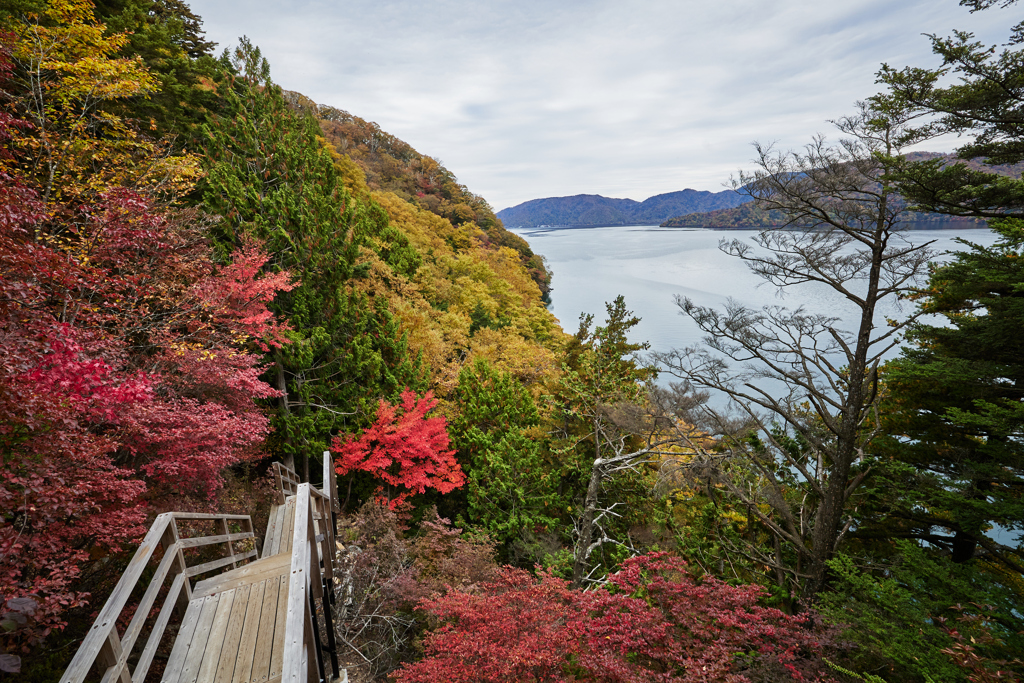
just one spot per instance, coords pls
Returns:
(524, 99)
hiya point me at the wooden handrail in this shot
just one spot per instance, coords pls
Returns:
(295, 663)
(287, 481)
(102, 644)
(330, 481)
(311, 579)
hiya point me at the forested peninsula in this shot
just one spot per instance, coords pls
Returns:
(280, 399)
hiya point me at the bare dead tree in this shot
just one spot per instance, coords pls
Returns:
(816, 420)
(603, 396)
(612, 441)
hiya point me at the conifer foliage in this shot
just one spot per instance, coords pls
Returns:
(270, 177)
(510, 487)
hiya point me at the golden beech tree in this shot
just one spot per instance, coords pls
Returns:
(466, 300)
(65, 71)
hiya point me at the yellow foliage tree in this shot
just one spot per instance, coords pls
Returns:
(466, 301)
(68, 70)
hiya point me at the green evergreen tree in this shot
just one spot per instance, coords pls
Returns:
(510, 488)
(958, 456)
(604, 432)
(986, 101)
(900, 616)
(270, 177)
(169, 38)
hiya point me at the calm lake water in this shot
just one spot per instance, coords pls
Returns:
(649, 265)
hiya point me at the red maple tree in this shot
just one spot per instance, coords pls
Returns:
(404, 448)
(128, 371)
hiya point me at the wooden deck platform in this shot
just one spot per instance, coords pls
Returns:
(233, 631)
(261, 622)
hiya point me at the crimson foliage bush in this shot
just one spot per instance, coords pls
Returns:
(652, 622)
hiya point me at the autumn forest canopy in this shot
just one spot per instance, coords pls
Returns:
(203, 273)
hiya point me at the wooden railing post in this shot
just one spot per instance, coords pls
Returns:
(231, 547)
(316, 588)
(169, 541)
(331, 491)
(280, 483)
(247, 525)
(110, 658)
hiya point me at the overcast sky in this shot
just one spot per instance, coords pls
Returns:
(524, 99)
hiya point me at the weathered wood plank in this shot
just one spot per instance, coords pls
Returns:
(183, 642)
(97, 636)
(280, 483)
(330, 480)
(148, 598)
(231, 547)
(199, 541)
(250, 573)
(247, 644)
(102, 644)
(268, 538)
(289, 526)
(217, 564)
(233, 635)
(159, 626)
(170, 539)
(205, 515)
(265, 639)
(292, 664)
(215, 638)
(279, 627)
(275, 541)
(113, 656)
(197, 649)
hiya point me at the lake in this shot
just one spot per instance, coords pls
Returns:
(650, 265)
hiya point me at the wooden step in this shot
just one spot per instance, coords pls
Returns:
(233, 630)
(280, 527)
(254, 571)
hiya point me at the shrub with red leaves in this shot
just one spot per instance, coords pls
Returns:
(127, 372)
(652, 622)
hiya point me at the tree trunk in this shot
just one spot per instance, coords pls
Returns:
(830, 513)
(282, 386)
(579, 566)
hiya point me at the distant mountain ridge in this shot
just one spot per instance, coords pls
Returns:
(747, 216)
(591, 210)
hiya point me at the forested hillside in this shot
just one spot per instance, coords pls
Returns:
(204, 274)
(594, 210)
(391, 165)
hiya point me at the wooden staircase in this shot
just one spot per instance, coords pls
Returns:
(255, 623)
